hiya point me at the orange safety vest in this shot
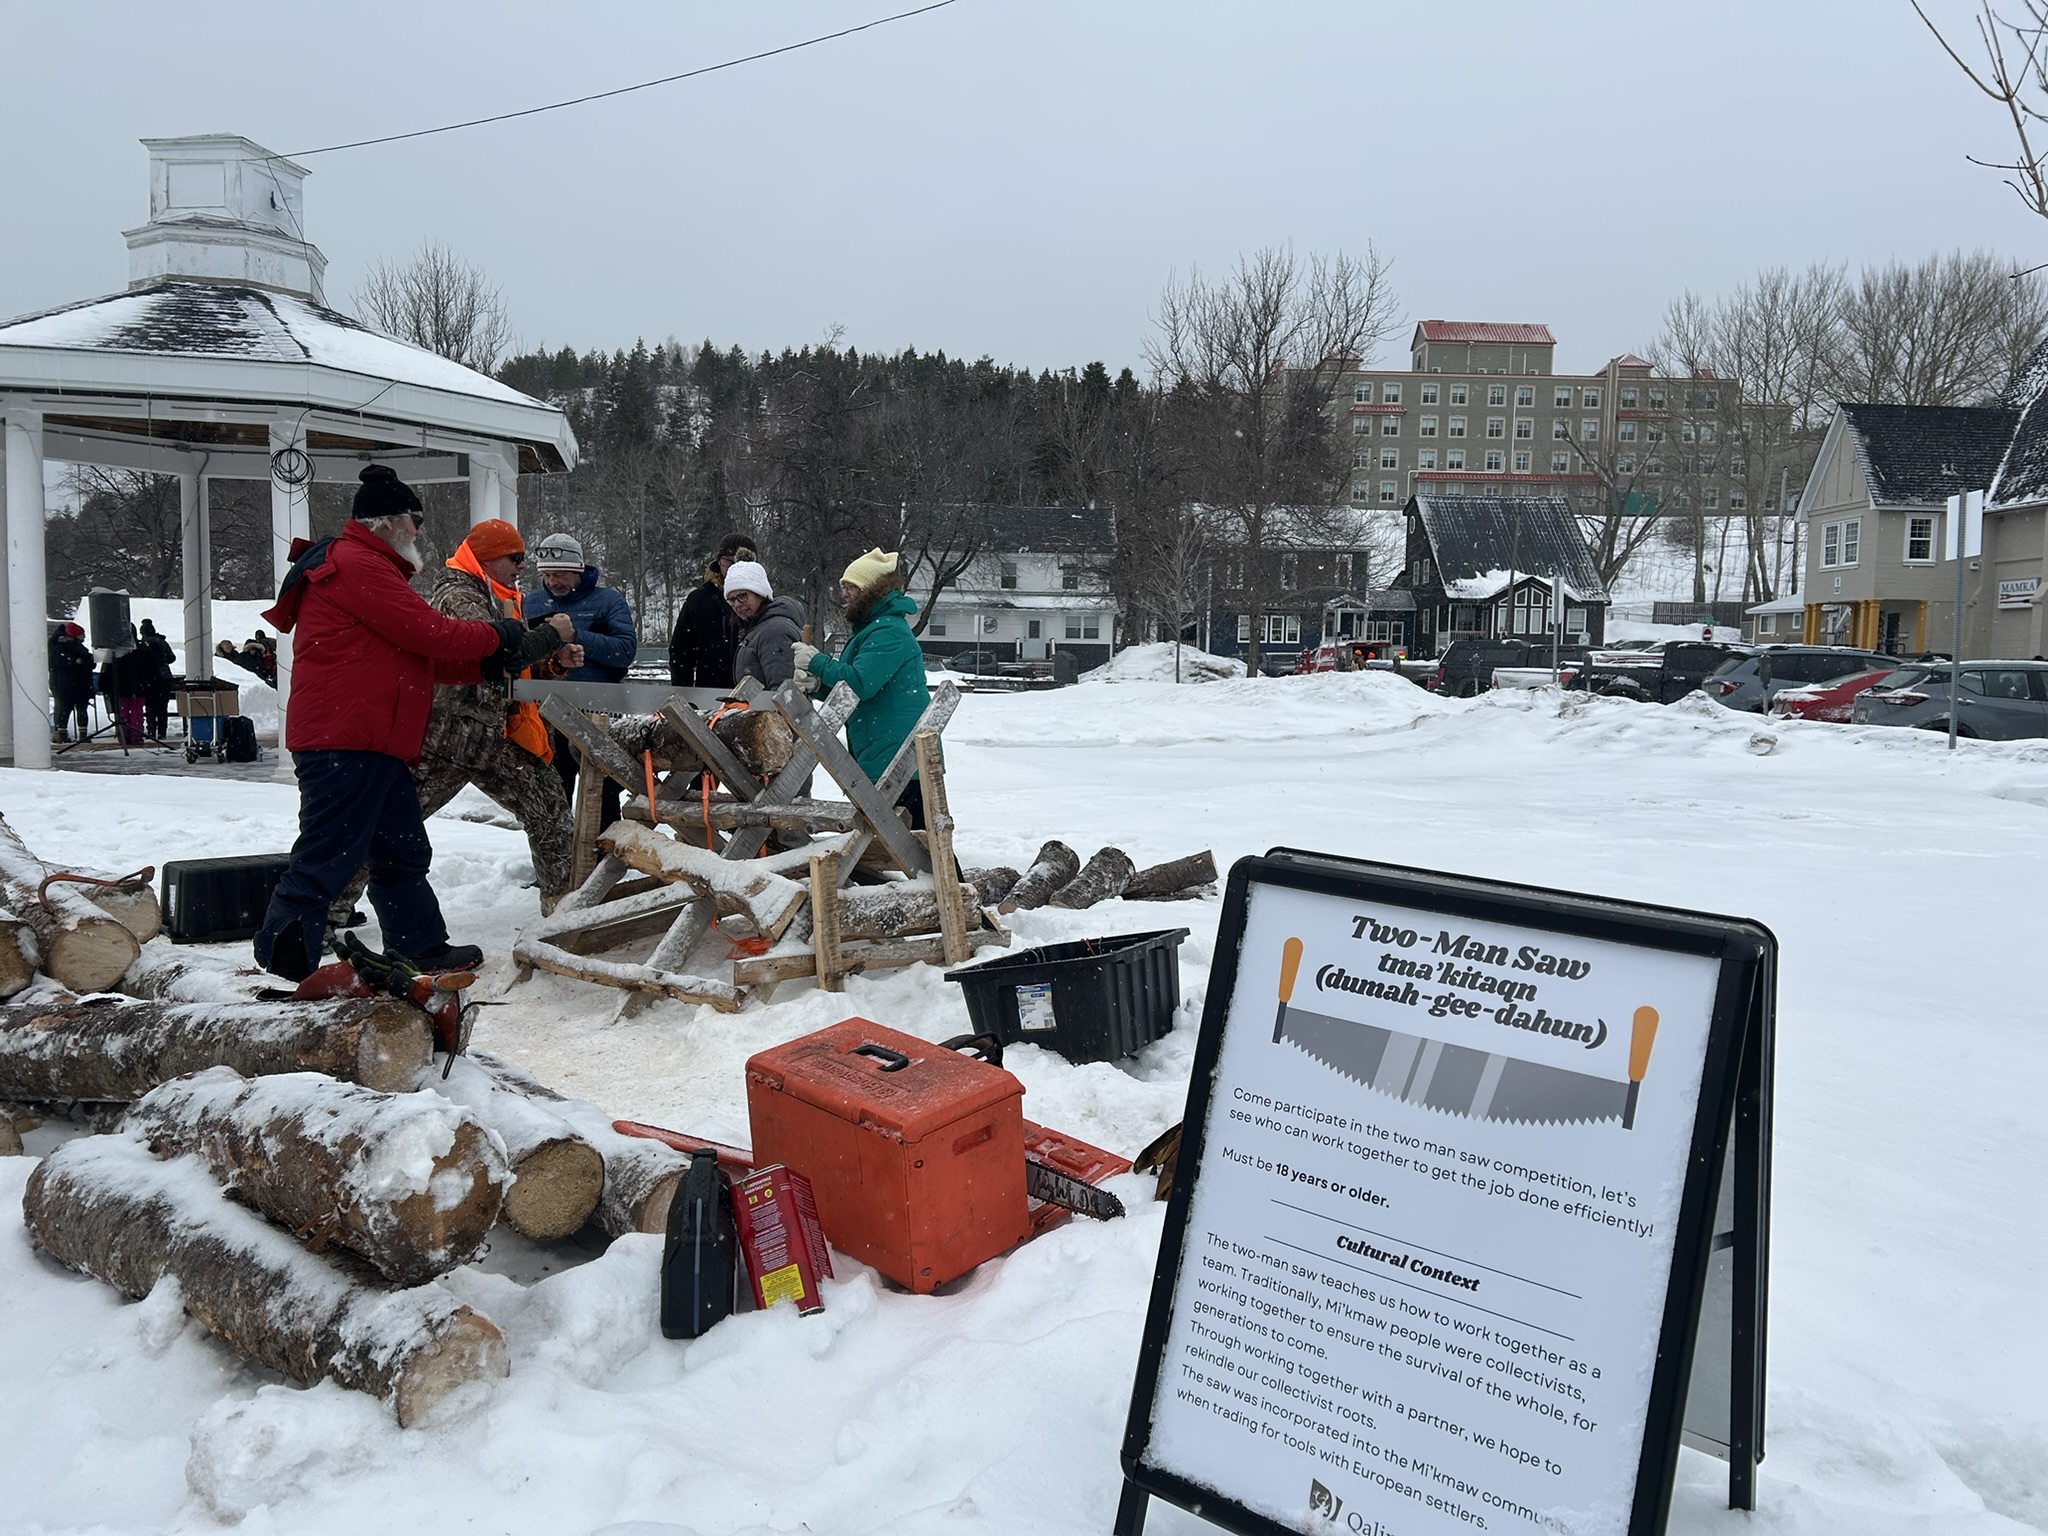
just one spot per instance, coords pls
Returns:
(524, 727)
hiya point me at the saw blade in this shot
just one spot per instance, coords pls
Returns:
(1070, 1193)
(1457, 1079)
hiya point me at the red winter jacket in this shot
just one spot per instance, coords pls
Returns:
(367, 651)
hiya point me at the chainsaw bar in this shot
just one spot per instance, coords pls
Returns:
(1070, 1193)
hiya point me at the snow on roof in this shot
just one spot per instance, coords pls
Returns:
(1920, 455)
(191, 319)
(2022, 477)
(1792, 602)
(1477, 540)
(1486, 331)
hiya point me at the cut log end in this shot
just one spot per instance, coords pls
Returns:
(393, 1047)
(91, 957)
(10, 1138)
(470, 1348)
(555, 1187)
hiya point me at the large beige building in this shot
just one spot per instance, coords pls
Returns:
(1480, 411)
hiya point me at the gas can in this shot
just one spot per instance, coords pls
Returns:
(915, 1153)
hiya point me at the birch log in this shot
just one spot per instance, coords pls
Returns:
(1055, 865)
(103, 1205)
(410, 1182)
(1101, 878)
(115, 1050)
(18, 954)
(557, 1176)
(82, 947)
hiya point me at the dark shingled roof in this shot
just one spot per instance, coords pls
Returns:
(1473, 535)
(1920, 455)
(2023, 475)
(1049, 530)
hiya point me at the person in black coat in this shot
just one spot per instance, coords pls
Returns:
(161, 666)
(70, 681)
(706, 635)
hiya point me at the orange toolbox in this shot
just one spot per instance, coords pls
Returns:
(915, 1153)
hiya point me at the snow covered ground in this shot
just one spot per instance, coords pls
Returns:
(1909, 1343)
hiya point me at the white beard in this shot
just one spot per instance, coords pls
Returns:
(409, 551)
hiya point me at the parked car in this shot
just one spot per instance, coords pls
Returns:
(981, 661)
(1672, 670)
(1563, 675)
(1356, 656)
(2000, 700)
(1750, 681)
(1827, 701)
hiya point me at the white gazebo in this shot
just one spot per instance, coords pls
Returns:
(222, 361)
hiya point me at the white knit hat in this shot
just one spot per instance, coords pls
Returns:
(748, 576)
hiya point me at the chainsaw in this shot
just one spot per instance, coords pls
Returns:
(362, 972)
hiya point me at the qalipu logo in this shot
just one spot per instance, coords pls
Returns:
(1323, 1504)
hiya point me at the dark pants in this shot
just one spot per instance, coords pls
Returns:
(912, 801)
(567, 759)
(68, 705)
(157, 714)
(355, 808)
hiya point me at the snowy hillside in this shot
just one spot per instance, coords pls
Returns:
(1908, 1341)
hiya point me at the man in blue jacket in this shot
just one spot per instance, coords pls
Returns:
(604, 628)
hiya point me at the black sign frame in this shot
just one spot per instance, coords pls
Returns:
(1731, 1131)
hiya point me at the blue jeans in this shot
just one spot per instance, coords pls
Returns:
(355, 808)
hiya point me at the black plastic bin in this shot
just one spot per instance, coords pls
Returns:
(215, 901)
(1090, 1000)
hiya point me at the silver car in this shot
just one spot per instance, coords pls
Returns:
(2000, 700)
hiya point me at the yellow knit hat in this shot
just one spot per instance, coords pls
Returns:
(870, 568)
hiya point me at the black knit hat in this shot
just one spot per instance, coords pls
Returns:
(383, 494)
(733, 545)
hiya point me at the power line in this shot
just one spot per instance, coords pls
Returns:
(624, 90)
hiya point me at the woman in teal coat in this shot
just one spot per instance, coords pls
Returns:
(881, 663)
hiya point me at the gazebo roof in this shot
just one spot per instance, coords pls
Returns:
(200, 340)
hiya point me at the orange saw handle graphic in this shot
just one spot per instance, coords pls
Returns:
(1641, 1038)
(1290, 964)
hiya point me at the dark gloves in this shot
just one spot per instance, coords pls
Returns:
(519, 647)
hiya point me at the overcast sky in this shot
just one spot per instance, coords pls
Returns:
(1020, 177)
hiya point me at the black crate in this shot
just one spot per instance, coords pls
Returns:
(215, 901)
(1090, 999)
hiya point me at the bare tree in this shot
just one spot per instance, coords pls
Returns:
(440, 302)
(1947, 330)
(2014, 74)
(1257, 356)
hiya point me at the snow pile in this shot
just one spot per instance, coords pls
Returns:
(233, 621)
(998, 1407)
(1154, 664)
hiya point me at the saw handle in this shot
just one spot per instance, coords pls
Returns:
(1290, 963)
(1641, 1038)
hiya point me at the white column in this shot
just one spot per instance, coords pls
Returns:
(6, 639)
(197, 566)
(483, 489)
(28, 639)
(508, 484)
(290, 518)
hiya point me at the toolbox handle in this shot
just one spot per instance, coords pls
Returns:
(987, 1047)
(892, 1061)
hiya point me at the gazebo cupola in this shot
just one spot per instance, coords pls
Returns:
(223, 361)
(225, 210)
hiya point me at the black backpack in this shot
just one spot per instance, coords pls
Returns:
(238, 740)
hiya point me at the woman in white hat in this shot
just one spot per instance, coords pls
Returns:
(771, 627)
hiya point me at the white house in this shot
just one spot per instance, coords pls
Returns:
(1037, 584)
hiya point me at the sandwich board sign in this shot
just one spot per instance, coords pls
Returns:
(1468, 1223)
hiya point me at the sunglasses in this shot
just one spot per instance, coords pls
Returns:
(517, 557)
(419, 519)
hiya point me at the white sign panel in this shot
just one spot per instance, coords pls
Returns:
(2018, 592)
(1425, 1264)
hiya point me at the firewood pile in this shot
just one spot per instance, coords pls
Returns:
(81, 928)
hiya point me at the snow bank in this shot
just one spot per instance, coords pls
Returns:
(1908, 1342)
(233, 621)
(1154, 664)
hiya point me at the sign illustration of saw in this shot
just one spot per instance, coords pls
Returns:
(1460, 1079)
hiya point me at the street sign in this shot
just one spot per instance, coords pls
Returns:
(1965, 512)
(1462, 1161)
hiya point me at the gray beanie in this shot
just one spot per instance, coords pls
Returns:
(558, 552)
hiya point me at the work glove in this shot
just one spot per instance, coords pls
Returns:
(803, 654)
(805, 682)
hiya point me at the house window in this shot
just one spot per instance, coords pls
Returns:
(1767, 624)
(1656, 399)
(1839, 542)
(1525, 427)
(1562, 397)
(1390, 394)
(1496, 426)
(1625, 464)
(937, 628)
(1084, 626)
(1575, 620)
(1653, 466)
(1390, 426)
(1344, 570)
(1560, 462)
(1689, 432)
(1279, 628)
(1390, 490)
(1388, 630)
(1706, 431)
(1738, 501)
(1362, 459)
(1590, 399)
(1426, 459)
(1360, 425)
(1710, 498)
(1653, 433)
(1525, 395)
(1007, 576)
(1496, 394)
(1429, 394)
(1628, 399)
(1034, 629)
(1560, 429)
(1919, 539)
(1521, 461)
(1457, 426)
(1070, 579)
(1625, 430)
(1454, 458)
(1428, 428)
(1493, 458)
(1244, 629)
(1458, 394)
(1361, 491)
(1589, 429)
(1362, 394)
(1390, 458)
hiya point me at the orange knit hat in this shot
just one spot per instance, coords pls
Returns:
(494, 537)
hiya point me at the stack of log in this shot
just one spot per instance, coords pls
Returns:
(1058, 878)
(301, 1219)
(81, 928)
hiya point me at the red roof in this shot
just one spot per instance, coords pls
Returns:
(1485, 331)
(1630, 360)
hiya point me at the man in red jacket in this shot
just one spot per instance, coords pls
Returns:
(367, 652)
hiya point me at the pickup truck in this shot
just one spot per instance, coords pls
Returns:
(1466, 667)
(1654, 677)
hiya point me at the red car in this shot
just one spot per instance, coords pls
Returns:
(1827, 701)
